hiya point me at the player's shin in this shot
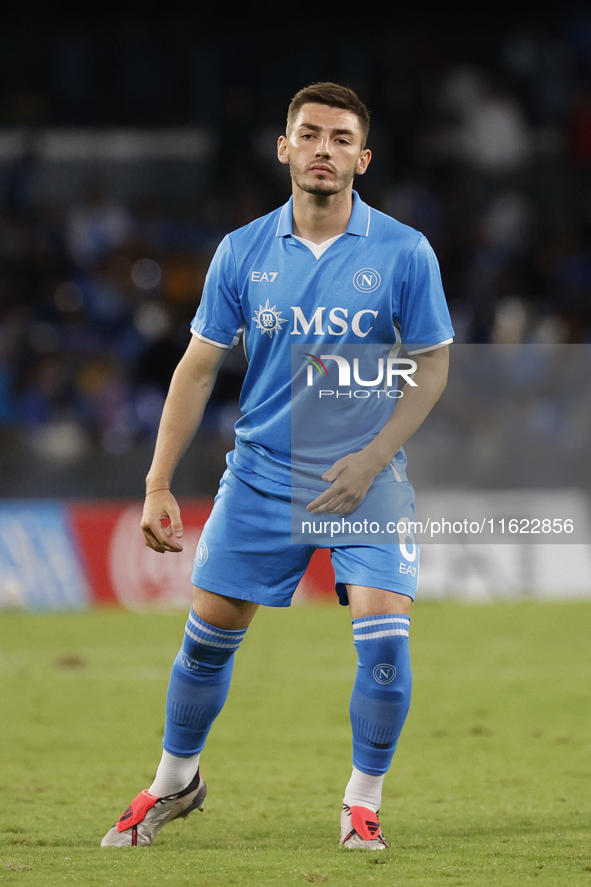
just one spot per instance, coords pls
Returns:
(379, 702)
(197, 691)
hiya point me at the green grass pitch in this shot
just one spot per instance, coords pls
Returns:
(491, 784)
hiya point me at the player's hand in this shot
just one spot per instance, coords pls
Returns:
(350, 479)
(159, 507)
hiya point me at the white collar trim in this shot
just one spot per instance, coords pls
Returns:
(318, 248)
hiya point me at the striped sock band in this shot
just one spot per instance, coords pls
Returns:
(370, 628)
(197, 630)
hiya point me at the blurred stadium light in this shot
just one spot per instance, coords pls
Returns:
(106, 143)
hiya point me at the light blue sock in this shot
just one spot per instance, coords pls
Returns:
(199, 685)
(382, 689)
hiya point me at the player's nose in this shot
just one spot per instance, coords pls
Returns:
(323, 148)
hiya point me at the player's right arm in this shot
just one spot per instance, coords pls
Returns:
(190, 388)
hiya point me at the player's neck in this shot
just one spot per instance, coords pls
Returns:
(317, 217)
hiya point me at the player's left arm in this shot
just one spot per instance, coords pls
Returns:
(353, 475)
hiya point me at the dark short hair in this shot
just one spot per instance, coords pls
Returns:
(334, 95)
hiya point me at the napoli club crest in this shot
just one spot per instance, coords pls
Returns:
(367, 280)
(384, 673)
(202, 553)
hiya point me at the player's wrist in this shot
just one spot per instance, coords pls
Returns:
(379, 457)
(156, 482)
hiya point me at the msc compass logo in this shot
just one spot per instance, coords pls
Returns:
(384, 673)
(268, 319)
(367, 280)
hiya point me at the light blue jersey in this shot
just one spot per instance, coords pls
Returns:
(377, 284)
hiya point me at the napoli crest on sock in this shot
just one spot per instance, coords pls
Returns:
(188, 662)
(384, 673)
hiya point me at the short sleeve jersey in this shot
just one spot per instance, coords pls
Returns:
(379, 283)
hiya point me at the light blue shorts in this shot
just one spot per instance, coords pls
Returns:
(245, 550)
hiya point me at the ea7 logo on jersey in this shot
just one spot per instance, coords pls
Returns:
(260, 276)
(367, 280)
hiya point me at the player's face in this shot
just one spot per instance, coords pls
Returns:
(323, 149)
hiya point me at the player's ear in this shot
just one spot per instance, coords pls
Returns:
(363, 162)
(282, 149)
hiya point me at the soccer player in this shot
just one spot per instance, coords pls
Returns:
(323, 269)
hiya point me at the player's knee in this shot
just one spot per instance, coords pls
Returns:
(221, 611)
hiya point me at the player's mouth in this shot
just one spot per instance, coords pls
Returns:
(321, 168)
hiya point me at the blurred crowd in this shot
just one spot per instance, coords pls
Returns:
(96, 305)
(482, 140)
